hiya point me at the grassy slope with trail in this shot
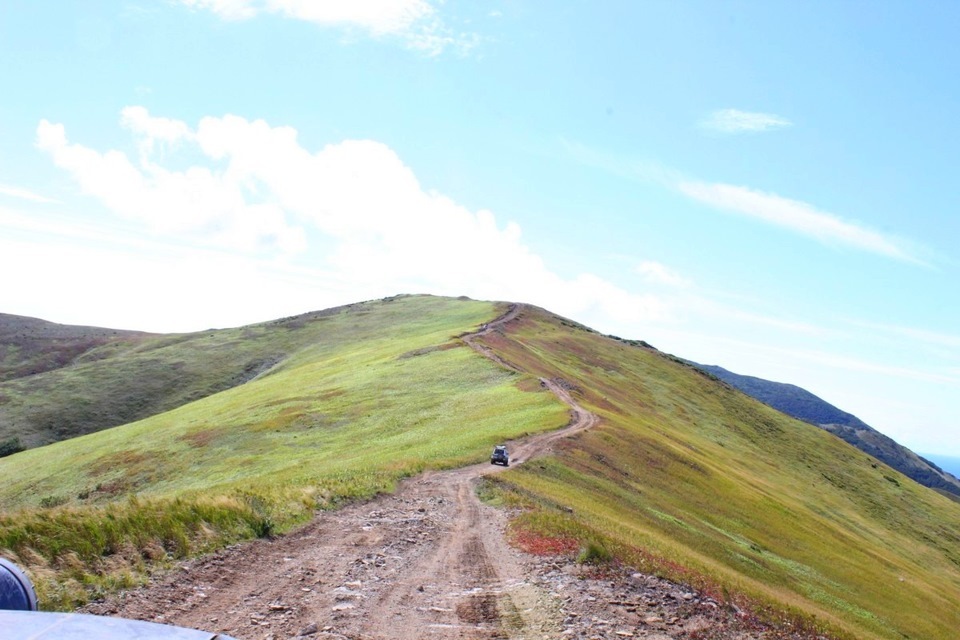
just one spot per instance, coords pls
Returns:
(384, 390)
(693, 479)
(684, 476)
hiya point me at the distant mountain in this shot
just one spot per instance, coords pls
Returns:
(803, 405)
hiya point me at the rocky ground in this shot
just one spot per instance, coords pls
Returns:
(428, 562)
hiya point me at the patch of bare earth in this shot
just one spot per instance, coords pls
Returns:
(428, 562)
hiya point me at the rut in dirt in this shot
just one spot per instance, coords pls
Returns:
(429, 561)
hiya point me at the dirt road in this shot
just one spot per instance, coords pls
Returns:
(430, 561)
(427, 562)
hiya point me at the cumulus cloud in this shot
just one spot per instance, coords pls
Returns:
(151, 130)
(796, 216)
(415, 22)
(198, 200)
(252, 186)
(732, 121)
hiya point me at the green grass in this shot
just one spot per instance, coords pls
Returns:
(385, 391)
(130, 378)
(684, 477)
(691, 479)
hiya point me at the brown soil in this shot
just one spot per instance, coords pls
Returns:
(430, 561)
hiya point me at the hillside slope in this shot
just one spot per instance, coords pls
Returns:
(803, 405)
(29, 346)
(380, 383)
(684, 476)
(381, 391)
(689, 477)
(123, 378)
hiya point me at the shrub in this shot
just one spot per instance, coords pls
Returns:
(594, 553)
(10, 446)
(48, 502)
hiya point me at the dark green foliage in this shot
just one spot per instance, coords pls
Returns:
(10, 446)
(48, 502)
(262, 523)
(263, 527)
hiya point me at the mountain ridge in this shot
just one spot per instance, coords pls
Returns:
(803, 405)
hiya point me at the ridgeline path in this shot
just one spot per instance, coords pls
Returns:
(429, 561)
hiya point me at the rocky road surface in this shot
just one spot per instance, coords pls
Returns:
(430, 561)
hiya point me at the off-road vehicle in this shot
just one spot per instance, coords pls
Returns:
(500, 455)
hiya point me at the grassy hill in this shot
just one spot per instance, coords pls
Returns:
(788, 398)
(691, 478)
(29, 346)
(364, 395)
(685, 476)
(803, 405)
(77, 380)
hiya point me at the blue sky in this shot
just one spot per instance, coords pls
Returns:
(764, 186)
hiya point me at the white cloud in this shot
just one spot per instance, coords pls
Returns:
(735, 121)
(415, 22)
(656, 273)
(379, 16)
(150, 130)
(621, 166)
(199, 200)
(227, 9)
(25, 194)
(796, 216)
(253, 187)
(130, 281)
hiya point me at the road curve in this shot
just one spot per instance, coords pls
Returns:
(429, 561)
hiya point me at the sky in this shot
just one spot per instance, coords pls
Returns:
(766, 186)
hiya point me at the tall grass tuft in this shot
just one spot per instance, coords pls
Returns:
(74, 553)
(594, 552)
